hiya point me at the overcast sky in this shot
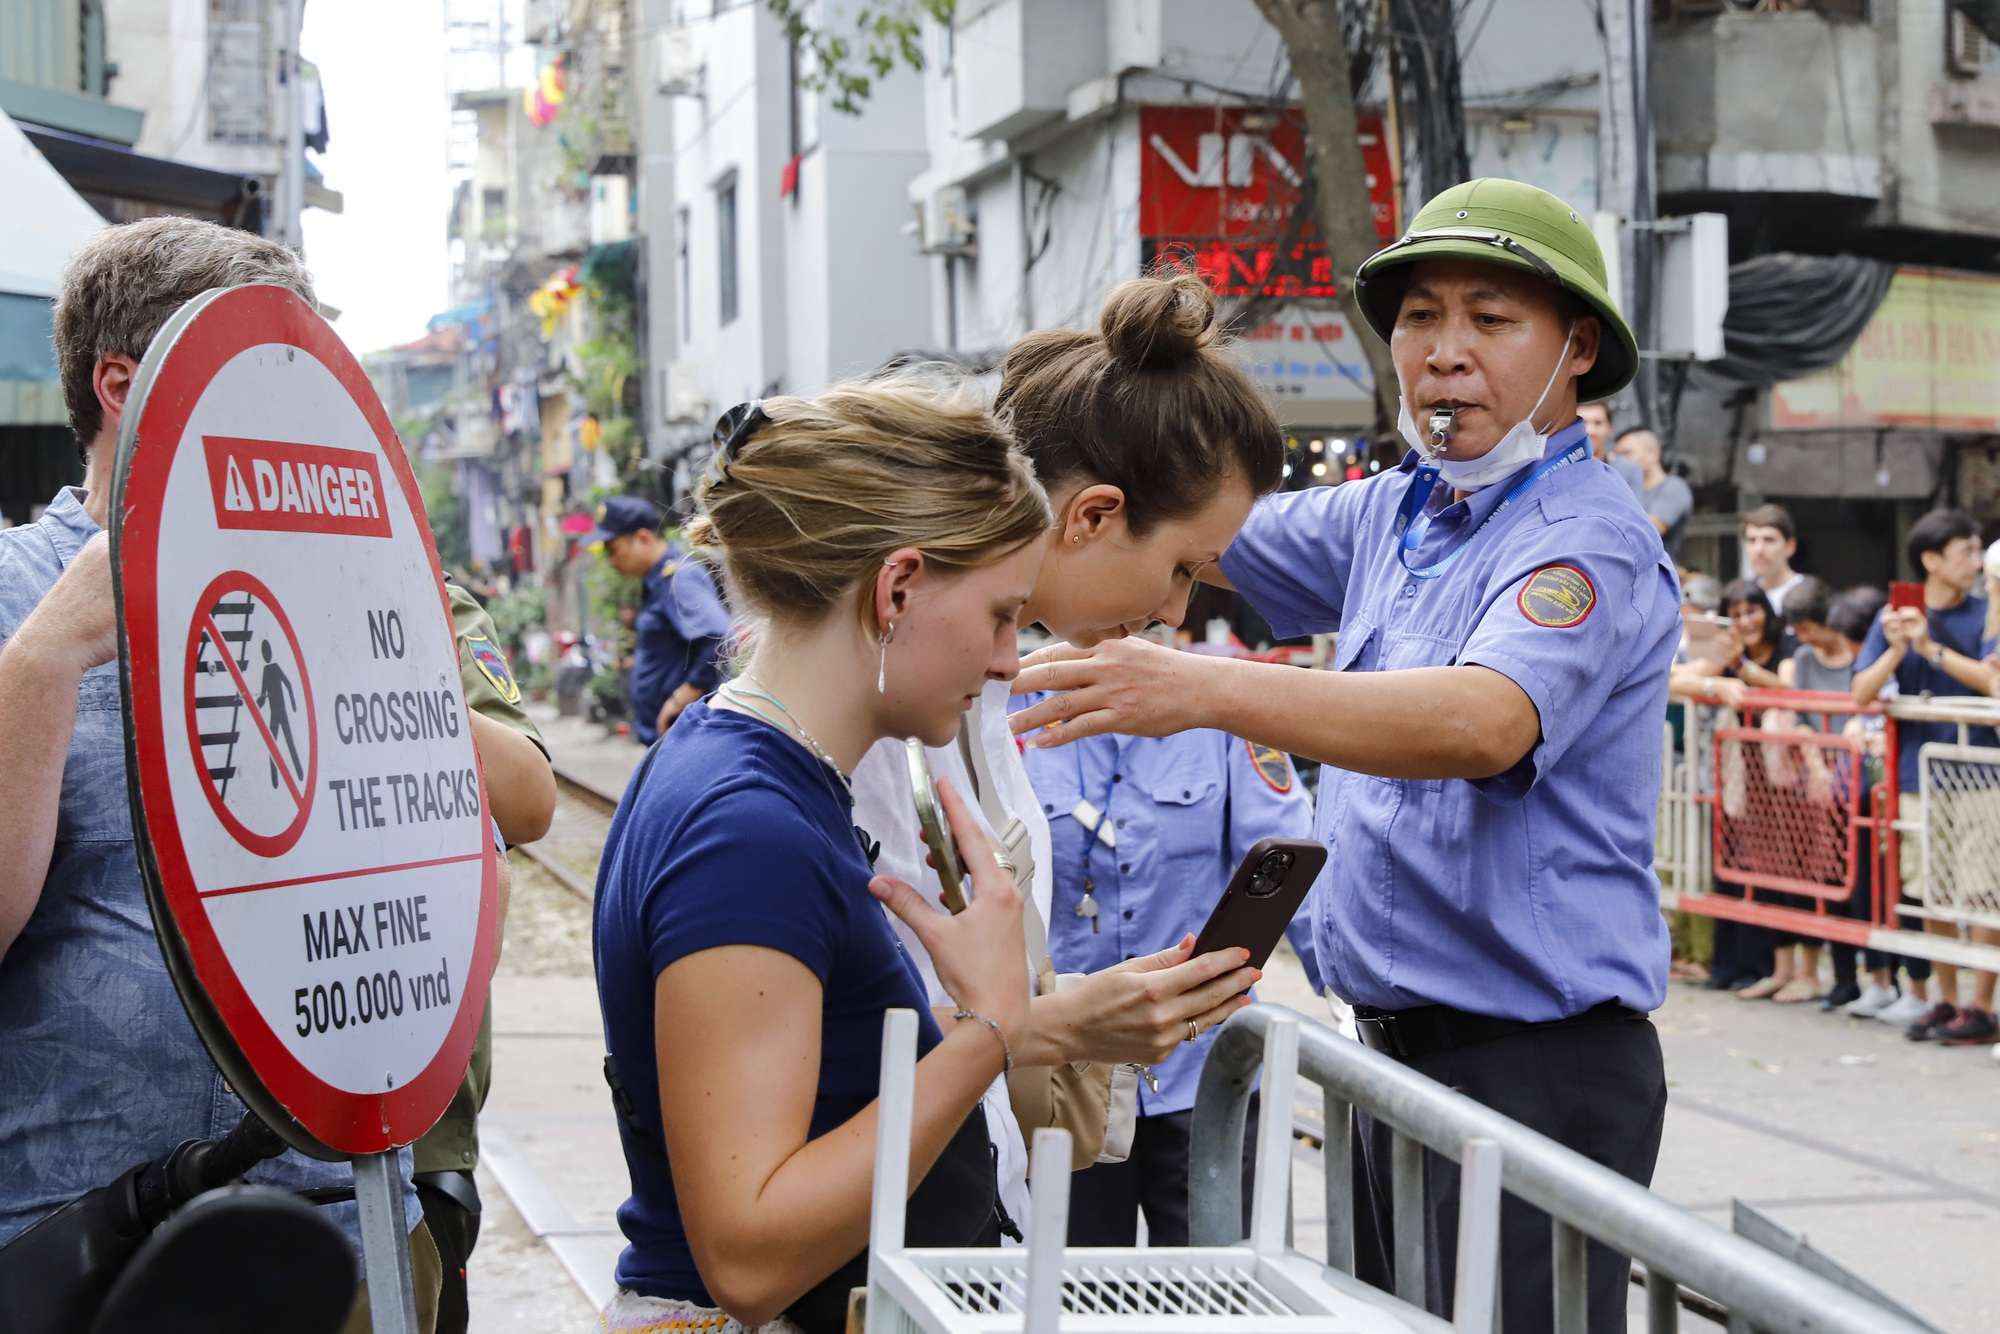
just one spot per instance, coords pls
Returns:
(382, 262)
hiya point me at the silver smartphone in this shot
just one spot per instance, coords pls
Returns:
(930, 814)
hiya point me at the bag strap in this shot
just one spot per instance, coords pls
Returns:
(972, 744)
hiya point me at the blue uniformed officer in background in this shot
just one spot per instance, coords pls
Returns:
(1144, 833)
(681, 626)
(1491, 734)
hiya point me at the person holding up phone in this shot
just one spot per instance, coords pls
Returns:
(1145, 832)
(1153, 444)
(743, 960)
(1936, 648)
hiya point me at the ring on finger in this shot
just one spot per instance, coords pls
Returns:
(1194, 1031)
(1000, 860)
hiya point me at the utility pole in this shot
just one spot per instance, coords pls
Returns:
(283, 227)
(1626, 169)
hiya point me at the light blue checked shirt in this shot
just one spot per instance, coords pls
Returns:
(100, 1069)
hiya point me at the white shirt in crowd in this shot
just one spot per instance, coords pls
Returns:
(1777, 595)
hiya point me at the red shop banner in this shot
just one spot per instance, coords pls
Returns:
(1222, 186)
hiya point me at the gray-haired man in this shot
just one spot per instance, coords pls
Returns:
(102, 1067)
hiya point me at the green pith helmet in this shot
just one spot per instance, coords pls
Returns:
(1495, 221)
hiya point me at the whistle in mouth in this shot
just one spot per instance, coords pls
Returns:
(1443, 424)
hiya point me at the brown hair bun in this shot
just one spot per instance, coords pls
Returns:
(1151, 403)
(1159, 323)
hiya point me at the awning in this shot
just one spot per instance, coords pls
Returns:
(44, 220)
(99, 167)
(41, 226)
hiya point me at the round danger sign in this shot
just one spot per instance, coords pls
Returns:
(316, 842)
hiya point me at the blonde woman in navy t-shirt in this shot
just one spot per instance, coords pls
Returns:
(882, 539)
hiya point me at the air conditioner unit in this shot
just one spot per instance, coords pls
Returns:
(678, 66)
(944, 225)
(1694, 285)
(610, 209)
(1964, 47)
(685, 399)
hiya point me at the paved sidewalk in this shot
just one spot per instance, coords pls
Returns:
(551, 1173)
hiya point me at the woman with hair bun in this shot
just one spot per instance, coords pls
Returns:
(743, 960)
(1153, 445)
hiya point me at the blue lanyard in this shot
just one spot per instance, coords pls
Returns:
(1412, 523)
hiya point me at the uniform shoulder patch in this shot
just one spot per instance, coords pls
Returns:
(492, 664)
(1557, 597)
(1273, 766)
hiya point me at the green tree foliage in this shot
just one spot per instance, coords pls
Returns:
(847, 51)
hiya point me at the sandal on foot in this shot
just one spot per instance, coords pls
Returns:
(1796, 992)
(1761, 990)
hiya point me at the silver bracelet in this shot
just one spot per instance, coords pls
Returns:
(1006, 1051)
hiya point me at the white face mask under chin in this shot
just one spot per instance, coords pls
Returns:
(1521, 445)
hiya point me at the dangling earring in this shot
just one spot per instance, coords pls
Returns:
(882, 671)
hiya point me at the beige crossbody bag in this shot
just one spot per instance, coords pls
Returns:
(1097, 1104)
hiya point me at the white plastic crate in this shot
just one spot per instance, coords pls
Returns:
(1257, 1288)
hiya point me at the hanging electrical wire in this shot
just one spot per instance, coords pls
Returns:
(1431, 102)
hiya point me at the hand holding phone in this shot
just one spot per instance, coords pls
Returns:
(1906, 594)
(1710, 638)
(1262, 898)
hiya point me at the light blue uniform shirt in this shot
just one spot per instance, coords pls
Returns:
(100, 1069)
(1183, 810)
(1529, 895)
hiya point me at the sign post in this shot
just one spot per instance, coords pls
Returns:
(311, 821)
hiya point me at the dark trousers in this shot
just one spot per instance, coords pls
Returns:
(1105, 1200)
(455, 1229)
(1599, 1089)
(1741, 950)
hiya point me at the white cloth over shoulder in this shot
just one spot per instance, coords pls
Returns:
(884, 806)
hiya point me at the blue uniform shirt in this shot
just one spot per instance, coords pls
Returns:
(1966, 625)
(678, 638)
(1183, 810)
(1529, 895)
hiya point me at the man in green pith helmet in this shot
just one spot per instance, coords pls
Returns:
(1491, 731)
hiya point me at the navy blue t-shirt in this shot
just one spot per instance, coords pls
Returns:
(1966, 626)
(736, 835)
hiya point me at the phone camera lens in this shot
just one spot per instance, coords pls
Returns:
(1270, 874)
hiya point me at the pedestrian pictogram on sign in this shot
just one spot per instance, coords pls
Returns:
(250, 714)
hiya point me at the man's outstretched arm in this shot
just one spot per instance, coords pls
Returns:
(1425, 722)
(73, 629)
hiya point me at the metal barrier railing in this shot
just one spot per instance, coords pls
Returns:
(1778, 814)
(1587, 1202)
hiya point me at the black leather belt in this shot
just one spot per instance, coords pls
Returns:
(1408, 1034)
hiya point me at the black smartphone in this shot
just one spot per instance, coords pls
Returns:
(1263, 897)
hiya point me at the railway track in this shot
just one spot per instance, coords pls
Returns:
(583, 817)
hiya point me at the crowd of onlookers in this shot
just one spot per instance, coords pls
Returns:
(1782, 628)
